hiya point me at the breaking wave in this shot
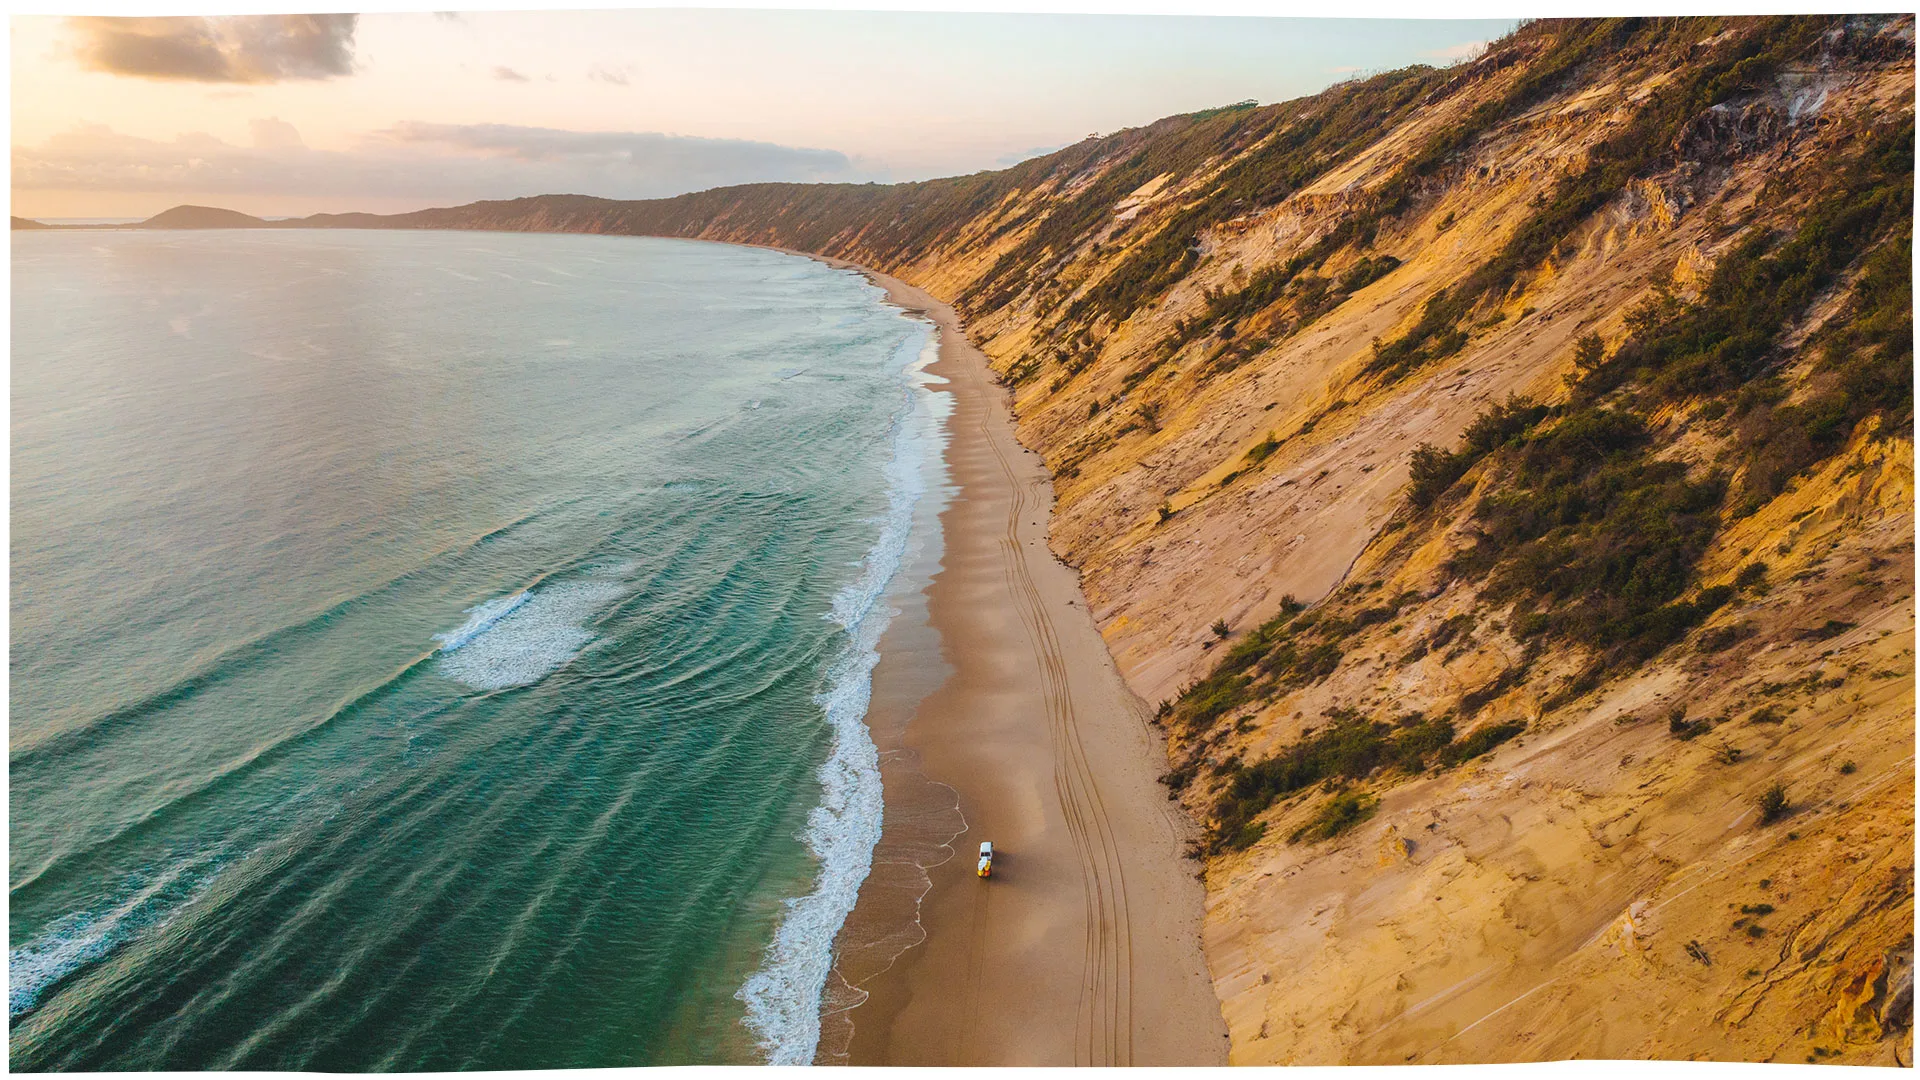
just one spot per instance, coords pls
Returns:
(520, 639)
(783, 997)
(73, 942)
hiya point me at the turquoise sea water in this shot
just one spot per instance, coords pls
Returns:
(443, 651)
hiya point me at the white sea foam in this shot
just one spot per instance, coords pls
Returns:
(526, 636)
(783, 998)
(74, 941)
(480, 618)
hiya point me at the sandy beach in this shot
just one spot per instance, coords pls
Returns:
(1084, 948)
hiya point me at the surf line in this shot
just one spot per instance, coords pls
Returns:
(481, 618)
(783, 998)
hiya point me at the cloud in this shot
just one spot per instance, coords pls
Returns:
(616, 76)
(1466, 50)
(415, 163)
(449, 16)
(232, 49)
(507, 74)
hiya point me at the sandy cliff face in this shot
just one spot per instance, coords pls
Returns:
(1482, 757)
(1599, 885)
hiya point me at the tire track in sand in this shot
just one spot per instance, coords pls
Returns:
(1104, 1028)
(976, 973)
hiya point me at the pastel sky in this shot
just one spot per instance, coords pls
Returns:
(287, 115)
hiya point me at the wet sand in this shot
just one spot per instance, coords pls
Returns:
(1084, 948)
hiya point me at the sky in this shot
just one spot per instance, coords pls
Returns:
(283, 115)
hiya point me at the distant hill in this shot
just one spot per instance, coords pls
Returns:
(202, 217)
(29, 223)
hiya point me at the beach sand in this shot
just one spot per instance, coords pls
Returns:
(1084, 948)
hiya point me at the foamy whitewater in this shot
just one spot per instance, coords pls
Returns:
(481, 619)
(784, 997)
(520, 639)
(146, 902)
(415, 672)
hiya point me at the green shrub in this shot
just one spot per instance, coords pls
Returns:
(1348, 749)
(1588, 352)
(1481, 741)
(1584, 520)
(1177, 779)
(1316, 663)
(1247, 835)
(1772, 804)
(1335, 816)
(1432, 470)
(1212, 699)
(1262, 450)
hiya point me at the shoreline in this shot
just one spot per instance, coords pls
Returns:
(785, 996)
(919, 817)
(1051, 758)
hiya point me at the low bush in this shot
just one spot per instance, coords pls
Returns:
(1433, 470)
(1262, 450)
(1482, 741)
(1351, 748)
(1335, 816)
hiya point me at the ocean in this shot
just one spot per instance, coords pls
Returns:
(445, 650)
